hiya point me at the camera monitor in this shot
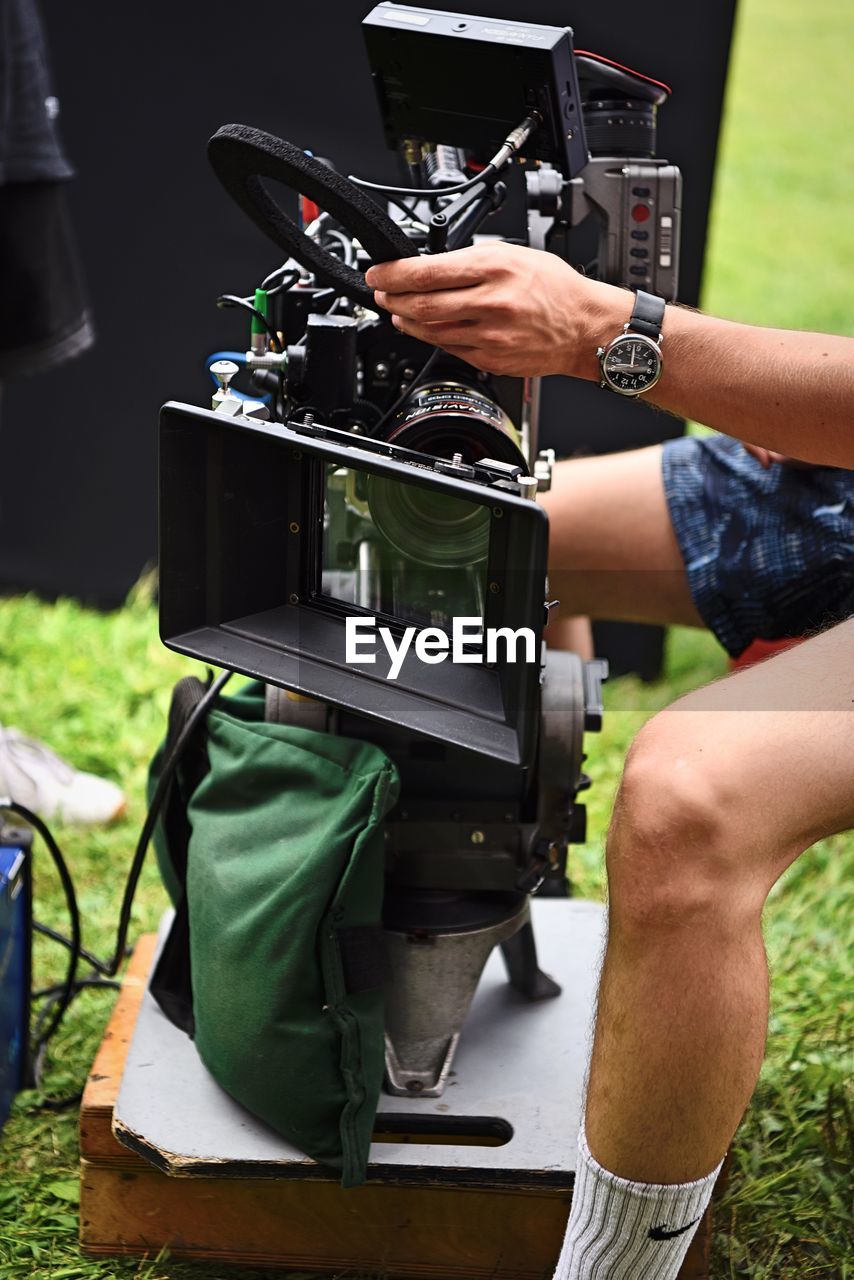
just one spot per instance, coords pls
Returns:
(456, 78)
(401, 587)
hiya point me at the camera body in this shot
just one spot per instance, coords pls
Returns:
(633, 199)
(387, 490)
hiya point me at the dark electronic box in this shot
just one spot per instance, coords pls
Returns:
(15, 950)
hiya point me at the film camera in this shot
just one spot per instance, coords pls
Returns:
(376, 487)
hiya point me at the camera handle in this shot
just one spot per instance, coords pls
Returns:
(242, 156)
(476, 199)
(453, 225)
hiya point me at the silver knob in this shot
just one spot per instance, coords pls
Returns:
(224, 371)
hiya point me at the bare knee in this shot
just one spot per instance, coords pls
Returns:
(685, 845)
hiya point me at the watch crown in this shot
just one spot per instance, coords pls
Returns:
(600, 351)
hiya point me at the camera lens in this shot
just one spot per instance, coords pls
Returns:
(442, 419)
(446, 418)
(427, 527)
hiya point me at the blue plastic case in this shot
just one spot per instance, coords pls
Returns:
(15, 949)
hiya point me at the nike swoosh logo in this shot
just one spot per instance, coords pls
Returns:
(661, 1233)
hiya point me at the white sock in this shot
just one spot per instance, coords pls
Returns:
(620, 1230)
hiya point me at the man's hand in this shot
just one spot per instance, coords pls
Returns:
(503, 308)
(510, 310)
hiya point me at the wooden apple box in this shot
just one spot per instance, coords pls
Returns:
(473, 1214)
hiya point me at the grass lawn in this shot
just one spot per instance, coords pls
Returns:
(97, 686)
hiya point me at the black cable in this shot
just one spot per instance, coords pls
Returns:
(286, 269)
(287, 283)
(344, 243)
(167, 773)
(61, 1104)
(82, 984)
(510, 147)
(53, 996)
(91, 959)
(409, 210)
(38, 1059)
(60, 996)
(109, 968)
(408, 389)
(232, 300)
(74, 943)
(424, 191)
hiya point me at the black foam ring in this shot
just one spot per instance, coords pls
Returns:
(241, 156)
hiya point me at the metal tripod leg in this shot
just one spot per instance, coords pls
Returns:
(525, 974)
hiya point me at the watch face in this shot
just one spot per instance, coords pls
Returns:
(631, 364)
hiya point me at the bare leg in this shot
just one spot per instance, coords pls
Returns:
(574, 633)
(721, 793)
(613, 553)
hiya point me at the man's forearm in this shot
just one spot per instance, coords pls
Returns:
(786, 390)
(522, 312)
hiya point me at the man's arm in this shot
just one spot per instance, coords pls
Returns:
(510, 310)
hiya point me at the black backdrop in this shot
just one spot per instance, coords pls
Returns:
(142, 87)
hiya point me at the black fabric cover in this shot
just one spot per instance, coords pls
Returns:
(241, 156)
(30, 149)
(44, 319)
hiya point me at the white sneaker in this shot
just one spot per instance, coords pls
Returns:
(37, 778)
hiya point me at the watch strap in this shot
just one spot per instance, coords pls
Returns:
(648, 315)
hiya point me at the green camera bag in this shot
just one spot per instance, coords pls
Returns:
(272, 849)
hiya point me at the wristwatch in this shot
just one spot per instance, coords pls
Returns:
(631, 362)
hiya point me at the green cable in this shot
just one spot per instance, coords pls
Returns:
(258, 325)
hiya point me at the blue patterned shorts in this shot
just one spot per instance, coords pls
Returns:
(767, 553)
